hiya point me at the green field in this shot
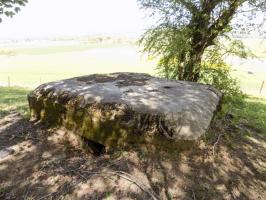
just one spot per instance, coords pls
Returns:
(257, 46)
(251, 83)
(31, 63)
(30, 66)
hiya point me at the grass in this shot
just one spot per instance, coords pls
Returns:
(257, 46)
(30, 67)
(13, 99)
(249, 114)
(252, 85)
(252, 114)
(56, 49)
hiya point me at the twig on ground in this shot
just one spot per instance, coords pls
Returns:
(193, 194)
(216, 143)
(120, 174)
(60, 192)
(24, 137)
(79, 174)
(130, 178)
(242, 129)
(45, 196)
(25, 196)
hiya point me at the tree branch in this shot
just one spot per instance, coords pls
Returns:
(209, 5)
(223, 20)
(189, 5)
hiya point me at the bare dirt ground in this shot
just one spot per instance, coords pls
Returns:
(41, 163)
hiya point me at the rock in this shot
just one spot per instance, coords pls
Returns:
(127, 108)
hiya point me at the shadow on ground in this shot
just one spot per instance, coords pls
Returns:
(41, 163)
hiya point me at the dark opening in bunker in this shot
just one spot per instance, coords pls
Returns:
(94, 147)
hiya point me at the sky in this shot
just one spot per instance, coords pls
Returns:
(49, 18)
(46, 18)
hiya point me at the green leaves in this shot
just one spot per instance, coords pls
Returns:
(10, 7)
(17, 9)
(188, 31)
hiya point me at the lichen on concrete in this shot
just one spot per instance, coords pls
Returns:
(121, 109)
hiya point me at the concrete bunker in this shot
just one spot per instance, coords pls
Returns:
(123, 109)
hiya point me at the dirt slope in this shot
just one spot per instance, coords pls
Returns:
(40, 163)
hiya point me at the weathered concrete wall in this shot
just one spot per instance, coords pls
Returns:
(124, 108)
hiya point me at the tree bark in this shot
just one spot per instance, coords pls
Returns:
(192, 68)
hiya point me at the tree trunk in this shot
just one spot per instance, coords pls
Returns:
(197, 47)
(193, 65)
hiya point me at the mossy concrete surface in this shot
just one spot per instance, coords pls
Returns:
(122, 109)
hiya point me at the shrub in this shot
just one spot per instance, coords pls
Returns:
(221, 79)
